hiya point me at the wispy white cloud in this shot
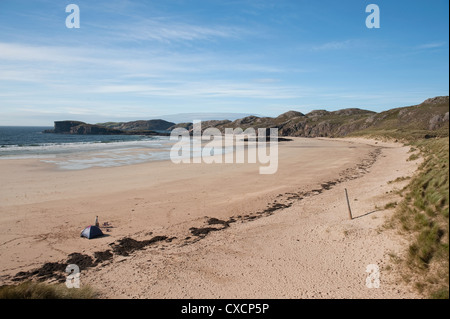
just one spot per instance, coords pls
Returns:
(151, 30)
(170, 30)
(266, 80)
(210, 89)
(432, 45)
(30, 53)
(134, 63)
(137, 72)
(334, 45)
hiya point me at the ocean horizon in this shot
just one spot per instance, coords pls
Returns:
(74, 152)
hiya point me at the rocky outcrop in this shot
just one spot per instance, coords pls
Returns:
(62, 127)
(437, 121)
(81, 128)
(437, 100)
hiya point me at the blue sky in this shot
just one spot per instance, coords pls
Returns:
(145, 59)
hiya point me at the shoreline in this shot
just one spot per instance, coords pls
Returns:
(205, 227)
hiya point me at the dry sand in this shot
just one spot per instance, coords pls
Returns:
(286, 235)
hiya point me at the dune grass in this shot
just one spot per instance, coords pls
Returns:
(39, 290)
(424, 213)
(423, 216)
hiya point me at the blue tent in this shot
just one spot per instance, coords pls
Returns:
(91, 232)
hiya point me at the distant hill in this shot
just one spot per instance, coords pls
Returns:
(202, 116)
(428, 118)
(81, 128)
(152, 125)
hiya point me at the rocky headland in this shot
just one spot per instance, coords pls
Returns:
(81, 128)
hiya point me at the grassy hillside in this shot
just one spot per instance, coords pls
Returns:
(429, 118)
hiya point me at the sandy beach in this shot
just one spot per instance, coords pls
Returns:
(229, 232)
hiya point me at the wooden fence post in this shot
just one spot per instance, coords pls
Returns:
(348, 204)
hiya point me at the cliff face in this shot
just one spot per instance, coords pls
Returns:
(62, 127)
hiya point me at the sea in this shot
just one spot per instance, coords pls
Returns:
(75, 152)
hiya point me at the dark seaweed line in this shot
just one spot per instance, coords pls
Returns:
(56, 270)
(290, 198)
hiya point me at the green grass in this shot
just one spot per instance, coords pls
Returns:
(423, 214)
(413, 157)
(39, 290)
(399, 179)
(390, 205)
